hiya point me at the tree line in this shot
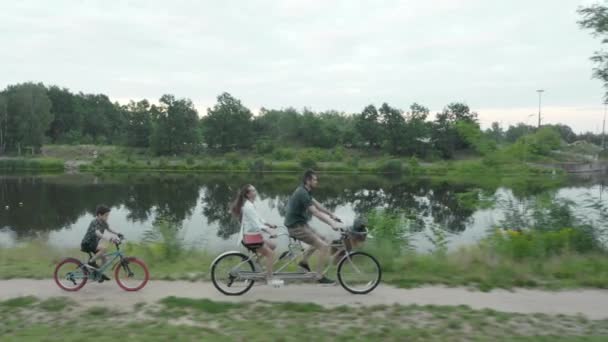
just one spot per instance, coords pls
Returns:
(32, 114)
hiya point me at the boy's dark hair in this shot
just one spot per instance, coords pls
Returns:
(308, 175)
(101, 210)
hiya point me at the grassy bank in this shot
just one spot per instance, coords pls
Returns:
(31, 164)
(30, 319)
(92, 158)
(553, 260)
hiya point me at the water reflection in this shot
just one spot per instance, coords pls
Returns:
(34, 205)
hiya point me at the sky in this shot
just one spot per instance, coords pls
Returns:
(319, 54)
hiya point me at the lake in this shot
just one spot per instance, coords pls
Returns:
(59, 208)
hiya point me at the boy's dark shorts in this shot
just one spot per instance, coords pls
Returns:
(89, 247)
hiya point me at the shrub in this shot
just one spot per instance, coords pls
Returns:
(283, 154)
(308, 163)
(538, 244)
(391, 166)
(257, 165)
(264, 146)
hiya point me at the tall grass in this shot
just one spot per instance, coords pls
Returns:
(555, 258)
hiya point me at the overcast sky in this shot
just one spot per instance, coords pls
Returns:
(325, 54)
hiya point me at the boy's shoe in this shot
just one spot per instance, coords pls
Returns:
(326, 281)
(304, 265)
(103, 278)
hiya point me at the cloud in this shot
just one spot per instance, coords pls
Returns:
(319, 54)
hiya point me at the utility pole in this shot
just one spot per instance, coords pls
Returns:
(540, 92)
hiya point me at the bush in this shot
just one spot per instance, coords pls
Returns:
(283, 154)
(231, 158)
(264, 146)
(308, 163)
(72, 137)
(337, 154)
(257, 165)
(164, 240)
(163, 164)
(537, 244)
(414, 167)
(391, 166)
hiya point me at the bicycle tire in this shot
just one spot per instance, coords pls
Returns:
(350, 256)
(77, 266)
(123, 265)
(215, 277)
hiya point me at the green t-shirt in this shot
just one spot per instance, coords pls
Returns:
(297, 207)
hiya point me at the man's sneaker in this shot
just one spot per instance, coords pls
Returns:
(304, 266)
(326, 281)
(275, 282)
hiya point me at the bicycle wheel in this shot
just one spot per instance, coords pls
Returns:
(131, 274)
(226, 273)
(359, 272)
(70, 274)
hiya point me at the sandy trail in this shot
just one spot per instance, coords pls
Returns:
(590, 302)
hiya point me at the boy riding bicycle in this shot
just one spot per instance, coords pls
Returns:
(91, 242)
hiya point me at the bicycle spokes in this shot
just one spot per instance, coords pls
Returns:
(230, 274)
(359, 272)
(131, 274)
(70, 275)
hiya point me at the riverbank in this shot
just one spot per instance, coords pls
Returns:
(91, 158)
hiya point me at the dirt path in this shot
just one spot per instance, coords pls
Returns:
(591, 303)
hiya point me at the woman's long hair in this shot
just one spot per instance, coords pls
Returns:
(237, 205)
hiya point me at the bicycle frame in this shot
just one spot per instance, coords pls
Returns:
(295, 251)
(112, 257)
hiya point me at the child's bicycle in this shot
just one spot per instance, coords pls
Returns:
(233, 273)
(131, 273)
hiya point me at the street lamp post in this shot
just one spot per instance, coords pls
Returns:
(604, 129)
(540, 92)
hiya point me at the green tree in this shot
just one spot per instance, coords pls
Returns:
(176, 126)
(318, 130)
(65, 116)
(139, 123)
(496, 133)
(595, 18)
(394, 128)
(369, 127)
(103, 121)
(228, 124)
(28, 115)
(445, 135)
(417, 131)
(473, 135)
(544, 141)
(3, 121)
(565, 132)
(513, 133)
